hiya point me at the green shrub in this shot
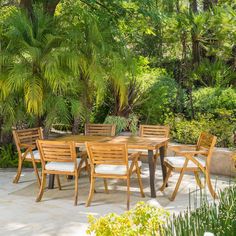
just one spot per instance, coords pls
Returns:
(215, 100)
(218, 218)
(122, 123)
(162, 98)
(187, 131)
(8, 156)
(142, 220)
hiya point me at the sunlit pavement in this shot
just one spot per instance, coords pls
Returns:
(56, 214)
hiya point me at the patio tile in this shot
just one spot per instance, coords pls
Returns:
(56, 214)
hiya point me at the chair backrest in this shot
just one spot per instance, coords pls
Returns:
(154, 130)
(107, 153)
(27, 137)
(206, 142)
(56, 151)
(100, 129)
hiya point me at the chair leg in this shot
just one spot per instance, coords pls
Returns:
(105, 185)
(140, 182)
(166, 179)
(128, 192)
(91, 191)
(177, 185)
(76, 189)
(155, 162)
(210, 187)
(36, 172)
(58, 182)
(19, 169)
(43, 182)
(198, 180)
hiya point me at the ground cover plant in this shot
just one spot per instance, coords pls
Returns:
(142, 220)
(217, 217)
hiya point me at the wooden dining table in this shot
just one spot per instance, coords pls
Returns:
(150, 144)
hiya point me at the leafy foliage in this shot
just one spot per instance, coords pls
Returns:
(8, 156)
(144, 219)
(160, 99)
(216, 218)
(122, 123)
(188, 131)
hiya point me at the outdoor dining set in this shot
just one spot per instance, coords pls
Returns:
(103, 155)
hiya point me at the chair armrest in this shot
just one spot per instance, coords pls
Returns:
(192, 153)
(83, 154)
(179, 147)
(135, 155)
(28, 146)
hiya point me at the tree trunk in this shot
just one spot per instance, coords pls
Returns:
(49, 6)
(195, 43)
(27, 5)
(75, 127)
(194, 6)
(207, 4)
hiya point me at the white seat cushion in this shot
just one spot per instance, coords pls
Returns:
(178, 161)
(36, 155)
(63, 166)
(114, 169)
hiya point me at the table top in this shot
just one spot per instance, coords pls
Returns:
(133, 142)
(136, 142)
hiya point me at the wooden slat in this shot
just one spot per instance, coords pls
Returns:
(154, 130)
(107, 153)
(100, 129)
(60, 151)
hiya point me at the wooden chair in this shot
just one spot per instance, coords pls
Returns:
(25, 141)
(97, 130)
(154, 131)
(59, 158)
(191, 161)
(111, 161)
(100, 129)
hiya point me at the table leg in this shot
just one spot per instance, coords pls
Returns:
(51, 181)
(162, 156)
(151, 173)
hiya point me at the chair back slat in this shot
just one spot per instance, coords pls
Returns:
(206, 142)
(57, 151)
(107, 154)
(100, 129)
(154, 130)
(27, 137)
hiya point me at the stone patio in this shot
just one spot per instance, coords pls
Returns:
(56, 214)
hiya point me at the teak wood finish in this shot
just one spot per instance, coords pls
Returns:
(205, 145)
(58, 151)
(112, 154)
(100, 130)
(155, 131)
(25, 141)
(152, 144)
(133, 142)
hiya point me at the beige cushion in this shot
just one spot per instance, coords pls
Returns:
(178, 161)
(63, 166)
(114, 169)
(36, 155)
